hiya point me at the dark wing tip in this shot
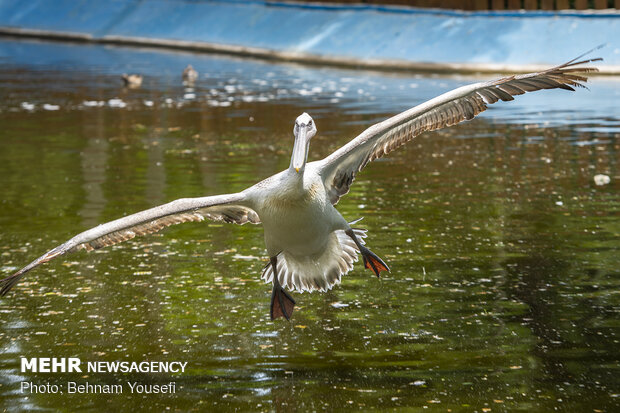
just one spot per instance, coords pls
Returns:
(566, 76)
(7, 283)
(576, 61)
(573, 63)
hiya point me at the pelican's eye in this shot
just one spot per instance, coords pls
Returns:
(310, 123)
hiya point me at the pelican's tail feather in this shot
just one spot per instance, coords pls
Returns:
(320, 271)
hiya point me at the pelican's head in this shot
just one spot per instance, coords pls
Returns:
(304, 130)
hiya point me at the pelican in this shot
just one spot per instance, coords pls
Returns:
(309, 243)
(189, 75)
(132, 81)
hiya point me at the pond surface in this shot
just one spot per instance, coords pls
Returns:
(504, 293)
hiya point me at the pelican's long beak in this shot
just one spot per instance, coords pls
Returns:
(300, 150)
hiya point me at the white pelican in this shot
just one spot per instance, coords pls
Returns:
(132, 81)
(310, 245)
(189, 75)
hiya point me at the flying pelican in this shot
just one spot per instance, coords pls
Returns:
(189, 75)
(310, 245)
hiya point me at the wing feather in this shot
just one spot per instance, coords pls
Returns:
(339, 169)
(228, 208)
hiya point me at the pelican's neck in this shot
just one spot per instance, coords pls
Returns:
(294, 180)
(291, 185)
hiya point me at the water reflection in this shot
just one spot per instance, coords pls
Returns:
(503, 294)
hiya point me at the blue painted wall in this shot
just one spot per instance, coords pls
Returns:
(348, 32)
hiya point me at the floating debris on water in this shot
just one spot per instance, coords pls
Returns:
(218, 103)
(339, 304)
(143, 272)
(47, 106)
(93, 103)
(246, 257)
(601, 179)
(116, 103)
(27, 106)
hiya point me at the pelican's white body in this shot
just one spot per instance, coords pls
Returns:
(303, 230)
(297, 216)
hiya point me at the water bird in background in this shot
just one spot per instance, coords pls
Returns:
(190, 75)
(310, 245)
(132, 81)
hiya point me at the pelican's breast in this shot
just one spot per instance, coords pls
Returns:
(282, 200)
(296, 218)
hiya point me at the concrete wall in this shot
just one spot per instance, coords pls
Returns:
(353, 35)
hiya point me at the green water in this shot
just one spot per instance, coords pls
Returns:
(504, 290)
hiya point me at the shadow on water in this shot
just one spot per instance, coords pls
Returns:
(504, 289)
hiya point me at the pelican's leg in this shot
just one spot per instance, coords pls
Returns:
(371, 260)
(282, 304)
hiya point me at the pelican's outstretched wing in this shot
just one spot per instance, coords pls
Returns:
(228, 208)
(338, 170)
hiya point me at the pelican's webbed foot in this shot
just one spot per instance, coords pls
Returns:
(282, 304)
(371, 260)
